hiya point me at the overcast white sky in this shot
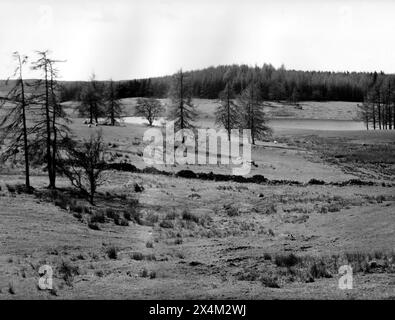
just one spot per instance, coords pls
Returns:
(133, 39)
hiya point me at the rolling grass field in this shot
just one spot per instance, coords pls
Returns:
(174, 237)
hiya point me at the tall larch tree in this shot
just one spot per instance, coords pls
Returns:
(227, 113)
(14, 106)
(253, 117)
(182, 111)
(113, 104)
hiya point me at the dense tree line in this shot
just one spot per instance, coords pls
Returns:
(275, 84)
(281, 84)
(378, 108)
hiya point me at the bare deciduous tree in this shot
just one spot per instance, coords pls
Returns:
(227, 113)
(149, 108)
(84, 164)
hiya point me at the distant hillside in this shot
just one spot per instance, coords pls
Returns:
(275, 84)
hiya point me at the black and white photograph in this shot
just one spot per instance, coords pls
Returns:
(191, 150)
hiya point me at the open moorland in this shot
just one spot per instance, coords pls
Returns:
(320, 199)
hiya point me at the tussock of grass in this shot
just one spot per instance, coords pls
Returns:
(270, 209)
(251, 275)
(119, 221)
(68, 271)
(132, 212)
(93, 226)
(186, 215)
(137, 256)
(167, 224)
(98, 217)
(144, 273)
(231, 211)
(112, 252)
(267, 256)
(110, 213)
(171, 215)
(269, 281)
(151, 219)
(149, 244)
